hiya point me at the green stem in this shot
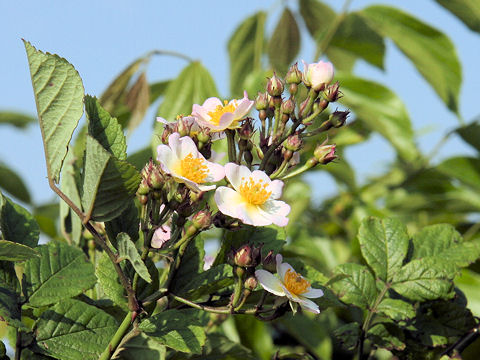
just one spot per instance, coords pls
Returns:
(231, 145)
(219, 310)
(278, 117)
(117, 338)
(237, 292)
(296, 172)
(368, 320)
(280, 170)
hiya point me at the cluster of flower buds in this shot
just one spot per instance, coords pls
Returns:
(286, 121)
(152, 182)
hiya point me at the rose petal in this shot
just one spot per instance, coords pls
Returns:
(309, 305)
(227, 201)
(313, 293)
(270, 282)
(185, 147)
(276, 211)
(235, 173)
(282, 269)
(276, 187)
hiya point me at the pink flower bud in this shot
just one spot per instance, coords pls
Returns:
(325, 153)
(261, 102)
(275, 86)
(294, 76)
(318, 75)
(202, 219)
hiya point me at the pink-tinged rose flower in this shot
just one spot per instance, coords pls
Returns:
(160, 237)
(182, 160)
(218, 116)
(318, 75)
(290, 284)
(253, 197)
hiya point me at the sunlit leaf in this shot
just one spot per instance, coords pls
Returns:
(58, 93)
(138, 101)
(284, 43)
(430, 50)
(15, 252)
(467, 11)
(109, 183)
(381, 111)
(19, 120)
(12, 183)
(61, 272)
(354, 284)
(128, 251)
(384, 245)
(245, 50)
(73, 330)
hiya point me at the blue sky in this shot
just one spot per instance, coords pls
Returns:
(101, 37)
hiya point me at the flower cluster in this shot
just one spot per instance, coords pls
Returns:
(190, 189)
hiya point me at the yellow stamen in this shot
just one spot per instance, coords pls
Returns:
(254, 192)
(295, 283)
(193, 169)
(216, 114)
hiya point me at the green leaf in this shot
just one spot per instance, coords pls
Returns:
(384, 245)
(442, 322)
(317, 16)
(105, 129)
(17, 224)
(109, 183)
(127, 222)
(354, 36)
(245, 50)
(110, 283)
(311, 333)
(58, 91)
(388, 336)
(431, 51)
(128, 251)
(138, 101)
(116, 91)
(9, 295)
(208, 282)
(61, 272)
(254, 335)
(354, 284)
(177, 329)
(219, 347)
(284, 43)
(396, 309)
(349, 335)
(463, 168)
(381, 111)
(157, 89)
(16, 119)
(467, 11)
(70, 223)
(443, 242)
(46, 216)
(73, 330)
(141, 347)
(193, 86)
(15, 252)
(12, 183)
(190, 266)
(470, 134)
(425, 279)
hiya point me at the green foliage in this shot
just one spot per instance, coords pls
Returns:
(109, 183)
(245, 50)
(59, 97)
(12, 183)
(15, 252)
(17, 224)
(284, 43)
(73, 330)
(432, 53)
(61, 272)
(179, 330)
(128, 251)
(79, 299)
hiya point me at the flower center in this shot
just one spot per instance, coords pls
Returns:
(295, 283)
(216, 114)
(193, 169)
(254, 192)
